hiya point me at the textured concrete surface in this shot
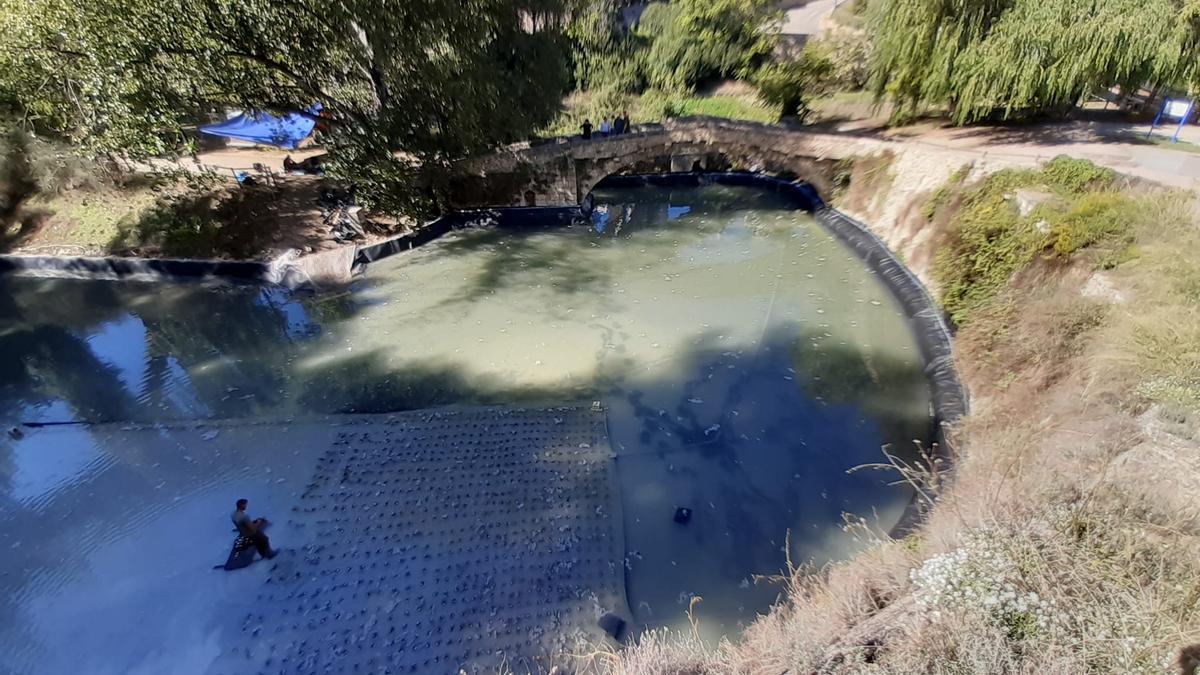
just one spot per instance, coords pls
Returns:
(446, 540)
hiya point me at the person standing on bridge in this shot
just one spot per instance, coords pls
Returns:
(618, 126)
(587, 130)
(605, 127)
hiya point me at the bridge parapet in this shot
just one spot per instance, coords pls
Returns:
(561, 172)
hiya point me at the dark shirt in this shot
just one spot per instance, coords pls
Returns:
(242, 521)
(619, 126)
(587, 130)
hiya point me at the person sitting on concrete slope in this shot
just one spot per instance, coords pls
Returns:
(252, 529)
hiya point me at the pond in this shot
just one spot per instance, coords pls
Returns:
(746, 358)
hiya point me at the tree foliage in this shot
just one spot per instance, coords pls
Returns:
(1016, 57)
(694, 40)
(792, 84)
(674, 47)
(605, 54)
(406, 84)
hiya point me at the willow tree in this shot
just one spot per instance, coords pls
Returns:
(405, 84)
(694, 40)
(1015, 57)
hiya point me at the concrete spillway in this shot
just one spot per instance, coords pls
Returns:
(442, 540)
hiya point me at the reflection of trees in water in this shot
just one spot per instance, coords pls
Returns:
(221, 338)
(234, 349)
(47, 363)
(855, 415)
(633, 210)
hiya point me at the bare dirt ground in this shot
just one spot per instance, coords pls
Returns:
(225, 221)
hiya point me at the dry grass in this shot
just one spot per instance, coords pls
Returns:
(1069, 541)
(862, 183)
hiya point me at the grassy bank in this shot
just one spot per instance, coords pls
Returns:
(1068, 539)
(736, 102)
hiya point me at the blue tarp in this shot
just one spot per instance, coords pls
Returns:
(285, 132)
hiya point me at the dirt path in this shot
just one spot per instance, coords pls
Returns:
(806, 19)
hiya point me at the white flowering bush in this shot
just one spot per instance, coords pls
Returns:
(981, 577)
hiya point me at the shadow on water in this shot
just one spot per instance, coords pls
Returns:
(142, 352)
(758, 453)
(523, 258)
(755, 435)
(369, 383)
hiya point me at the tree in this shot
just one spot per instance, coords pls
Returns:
(406, 85)
(605, 54)
(694, 40)
(792, 84)
(1019, 57)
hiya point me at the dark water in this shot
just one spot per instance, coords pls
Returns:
(747, 360)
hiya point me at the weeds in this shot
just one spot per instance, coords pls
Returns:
(925, 474)
(1093, 218)
(988, 241)
(860, 182)
(1075, 176)
(183, 226)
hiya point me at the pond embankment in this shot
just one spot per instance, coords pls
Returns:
(1066, 538)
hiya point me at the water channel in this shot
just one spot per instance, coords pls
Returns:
(746, 358)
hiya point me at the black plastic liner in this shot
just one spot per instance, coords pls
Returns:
(123, 268)
(803, 194)
(950, 401)
(507, 217)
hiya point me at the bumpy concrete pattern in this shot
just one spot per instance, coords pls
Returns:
(447, 540)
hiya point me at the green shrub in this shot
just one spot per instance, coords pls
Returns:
(989, 242)
(656, 105)
(691, 41)
(1076, 175)
(849, 53)
(1093, 218)
(605, 55)
(791, 85)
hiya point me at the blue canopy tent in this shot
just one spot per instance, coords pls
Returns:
(284, 132)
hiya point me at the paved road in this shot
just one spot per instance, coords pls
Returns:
(1121, 147)
(806, 20)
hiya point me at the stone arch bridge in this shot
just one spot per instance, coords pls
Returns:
(561, 172)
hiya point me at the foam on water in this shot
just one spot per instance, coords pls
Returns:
(747, 360)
